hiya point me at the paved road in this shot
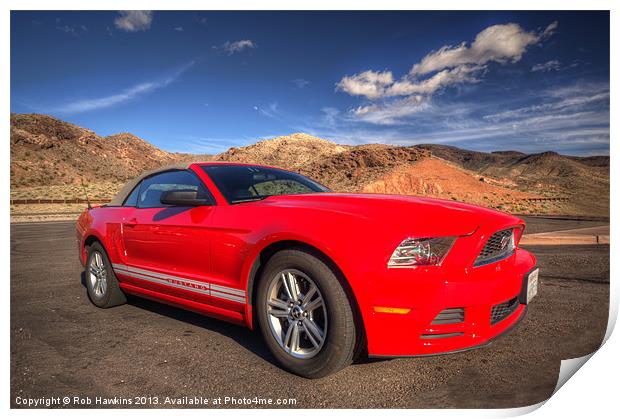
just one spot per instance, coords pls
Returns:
(543, 224)
(62, 345)
(587, 235)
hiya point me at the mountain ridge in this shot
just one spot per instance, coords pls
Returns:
(46, 151)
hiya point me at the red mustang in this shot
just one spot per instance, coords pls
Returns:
(323, 275)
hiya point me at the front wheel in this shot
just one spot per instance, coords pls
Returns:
(304, 315)
(101, 283)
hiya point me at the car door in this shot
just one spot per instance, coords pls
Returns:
(167, 248)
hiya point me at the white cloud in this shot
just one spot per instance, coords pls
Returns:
(330, 115)
(178, 28)
(553, 65)
(572, 100)
(408, 86)
(374, 85)
(498, 43)
(369, 83)
(448, 66)
(550, 29)
(300, 83)
(271, 110)
(394, 112)
(107, 101)
(85, 105)
(74, 30)
(238, 46)
(572, 119)
(417, 92)
(576, 133)
(134, 20)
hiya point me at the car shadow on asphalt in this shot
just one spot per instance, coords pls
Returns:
(251, 340)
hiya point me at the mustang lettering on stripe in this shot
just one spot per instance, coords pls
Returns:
(217, 291)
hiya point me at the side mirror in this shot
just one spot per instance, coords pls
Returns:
(183, 198)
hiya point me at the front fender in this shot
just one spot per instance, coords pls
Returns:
(103, 229)
(252, 263)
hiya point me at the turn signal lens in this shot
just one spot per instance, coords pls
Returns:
(391, 310)
(425, 252)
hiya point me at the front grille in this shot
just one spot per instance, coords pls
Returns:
(503, 310)
(450, 316)
(499, 246)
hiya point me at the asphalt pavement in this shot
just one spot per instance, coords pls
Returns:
(62, 345)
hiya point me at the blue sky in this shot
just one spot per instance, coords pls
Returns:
(205, 81)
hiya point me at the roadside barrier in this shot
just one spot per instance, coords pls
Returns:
(58, 201)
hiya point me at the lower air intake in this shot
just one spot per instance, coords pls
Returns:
(503, 310)
(450, 316)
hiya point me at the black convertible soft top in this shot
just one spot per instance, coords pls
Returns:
(126, 190)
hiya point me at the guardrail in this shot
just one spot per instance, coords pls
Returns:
(58, 201)
(548, 198)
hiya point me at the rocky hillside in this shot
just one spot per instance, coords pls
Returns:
(509, 180)
(437, 178)
(49, 157)
(583, 180)
(297, 150)
(47, 151)
(524, 167)
(343, 168)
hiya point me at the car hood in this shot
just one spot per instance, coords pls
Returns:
(423, 215)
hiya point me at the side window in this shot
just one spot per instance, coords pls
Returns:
(132, 199)
(152, 188)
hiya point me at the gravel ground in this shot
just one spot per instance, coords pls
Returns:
(61, 345)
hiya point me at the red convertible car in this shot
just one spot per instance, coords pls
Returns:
(324, 276)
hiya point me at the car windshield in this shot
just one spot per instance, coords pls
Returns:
(252, 183)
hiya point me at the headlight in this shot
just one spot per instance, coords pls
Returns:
(415, 252)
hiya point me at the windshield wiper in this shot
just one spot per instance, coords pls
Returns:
(255, 198)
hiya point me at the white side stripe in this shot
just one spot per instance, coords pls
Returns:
(228, 297)
(218, 291)
(228, 290)
(164, 282)
(159, 275)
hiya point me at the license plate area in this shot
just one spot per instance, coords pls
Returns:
(532, 285)
(529, 287)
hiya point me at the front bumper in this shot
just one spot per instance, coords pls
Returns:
(513, 325)
(491, 298)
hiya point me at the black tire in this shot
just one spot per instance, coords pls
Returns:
(338, 348)
(112, 296)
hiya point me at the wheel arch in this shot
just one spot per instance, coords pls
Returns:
(268, 251)
(88, 241)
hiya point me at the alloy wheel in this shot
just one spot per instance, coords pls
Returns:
(98, 275)
(297, 313)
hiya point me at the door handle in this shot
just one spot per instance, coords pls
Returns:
(131, 223)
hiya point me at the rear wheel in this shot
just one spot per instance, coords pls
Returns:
(304, 314)
(101, 283)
